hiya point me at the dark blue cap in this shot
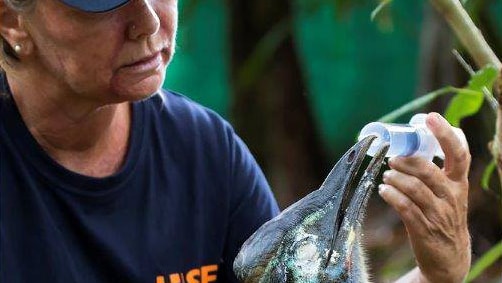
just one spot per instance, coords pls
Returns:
(95, 6)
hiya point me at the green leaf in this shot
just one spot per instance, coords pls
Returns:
(468, 101)
(485, 77)
(379, 8)
(489, 258)
(416, 104)
(264, 51)
(462, 106)
(485, 180)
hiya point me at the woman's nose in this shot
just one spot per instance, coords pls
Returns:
(144, 19)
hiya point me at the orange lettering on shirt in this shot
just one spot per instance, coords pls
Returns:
(207, 274)
(160, 279)
(174, 278)
(193, 276)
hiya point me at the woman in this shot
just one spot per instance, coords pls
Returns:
(106, 178)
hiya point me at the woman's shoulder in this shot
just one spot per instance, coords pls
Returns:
(190, 121)
(181, 108)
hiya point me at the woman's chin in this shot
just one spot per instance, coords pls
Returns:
(133, 89)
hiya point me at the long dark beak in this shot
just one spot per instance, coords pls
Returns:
(348, 220)
(353, 160)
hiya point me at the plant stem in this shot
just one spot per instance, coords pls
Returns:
(467, 32)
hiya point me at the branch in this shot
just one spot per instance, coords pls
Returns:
(467, 32)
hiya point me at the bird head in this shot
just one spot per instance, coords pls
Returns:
(317, 238)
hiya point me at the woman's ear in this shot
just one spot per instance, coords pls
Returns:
(13, 30)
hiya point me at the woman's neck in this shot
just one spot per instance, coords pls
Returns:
(81, 135)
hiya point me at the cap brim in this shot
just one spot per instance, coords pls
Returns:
(95, 6)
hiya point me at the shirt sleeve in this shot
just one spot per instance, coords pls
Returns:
(251, 203)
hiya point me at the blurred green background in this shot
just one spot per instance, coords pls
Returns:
(298, 79)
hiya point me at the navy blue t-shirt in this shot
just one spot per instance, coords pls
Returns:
(188, 195)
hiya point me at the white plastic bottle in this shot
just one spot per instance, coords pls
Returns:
(413, 139)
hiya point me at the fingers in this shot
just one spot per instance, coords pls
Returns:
(440, 244)
(457, 156)
(427, 172)
(408, 211)
(413, 188)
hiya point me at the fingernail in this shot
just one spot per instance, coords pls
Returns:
(392, 161)
(381, 188)
(435, 119)
(386, 175)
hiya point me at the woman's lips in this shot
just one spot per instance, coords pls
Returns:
(147, 64)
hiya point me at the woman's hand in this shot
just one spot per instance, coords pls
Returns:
(432, 203)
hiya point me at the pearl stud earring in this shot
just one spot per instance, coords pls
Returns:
(17, 48)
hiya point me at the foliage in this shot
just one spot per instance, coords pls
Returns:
(416, 104)
(489, 258)
(466, 102)
(485, 180)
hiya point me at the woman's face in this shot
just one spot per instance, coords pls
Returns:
(108, 57)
